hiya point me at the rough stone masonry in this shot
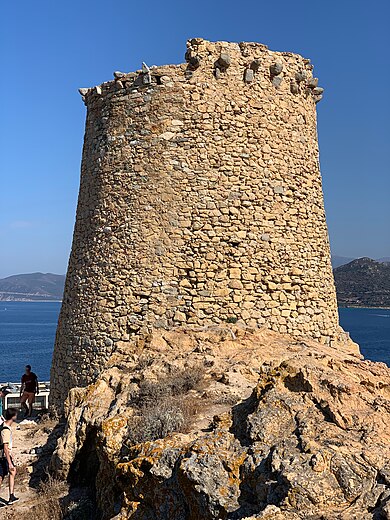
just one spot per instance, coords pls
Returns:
(200, 203)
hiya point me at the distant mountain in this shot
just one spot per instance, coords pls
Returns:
(363, 282)
(337, 261)
(32, 287)
(340, 260)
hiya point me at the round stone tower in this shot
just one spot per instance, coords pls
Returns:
(200, 203)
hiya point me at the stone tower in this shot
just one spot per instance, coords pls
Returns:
(200, 203)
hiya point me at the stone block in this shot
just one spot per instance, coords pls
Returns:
(223, 61)
(276, 69)
(249, 75)
(180, 316)
(277, 81)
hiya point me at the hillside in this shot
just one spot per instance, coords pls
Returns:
(363, 282)
(337, 261)
(32, 287)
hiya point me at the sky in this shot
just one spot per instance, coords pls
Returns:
(48, 49)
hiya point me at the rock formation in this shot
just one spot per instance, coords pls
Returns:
(284, 429)
(200, 202)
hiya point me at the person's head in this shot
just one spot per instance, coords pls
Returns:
(11, 414)
(3, 391)
(28, 369)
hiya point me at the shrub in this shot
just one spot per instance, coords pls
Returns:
(164, 406)
(152, 391)
(186, 380)
(231, 319)
(171, 385)
(47, 506)
(156, 422)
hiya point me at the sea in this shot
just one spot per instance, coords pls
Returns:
(27, 332)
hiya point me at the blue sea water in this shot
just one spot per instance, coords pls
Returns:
(27, 332)
(370, 328)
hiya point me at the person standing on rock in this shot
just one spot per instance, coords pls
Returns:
(28, 391)
(7, 466)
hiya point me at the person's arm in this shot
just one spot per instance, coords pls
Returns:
(36, 386)
(8, 457)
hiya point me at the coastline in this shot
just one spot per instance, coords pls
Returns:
(361, 307)
(30, 301)
(60, 301)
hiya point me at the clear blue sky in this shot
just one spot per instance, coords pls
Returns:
(50, 48)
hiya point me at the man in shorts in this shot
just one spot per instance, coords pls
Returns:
(7, 466)
(28, 391)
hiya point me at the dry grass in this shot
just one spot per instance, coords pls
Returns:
(190, 406)
(52, 487)
(171, 385)
(165, 405)
(53, 502)
(47, 505)
(156, 421)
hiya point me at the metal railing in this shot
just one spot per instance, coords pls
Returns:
(13, 398)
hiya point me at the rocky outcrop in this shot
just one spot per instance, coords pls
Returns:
(280, 429)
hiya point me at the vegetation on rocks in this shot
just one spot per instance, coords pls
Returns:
(164, 405)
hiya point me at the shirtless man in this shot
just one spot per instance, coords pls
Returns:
(28, 391)
(7, 466)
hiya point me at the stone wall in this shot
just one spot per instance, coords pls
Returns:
(200, 203)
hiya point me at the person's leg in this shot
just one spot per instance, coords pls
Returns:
(23, 400)
(2, 471)
(11, 482)
(30, 404)
(2, 502)
(12, 474)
